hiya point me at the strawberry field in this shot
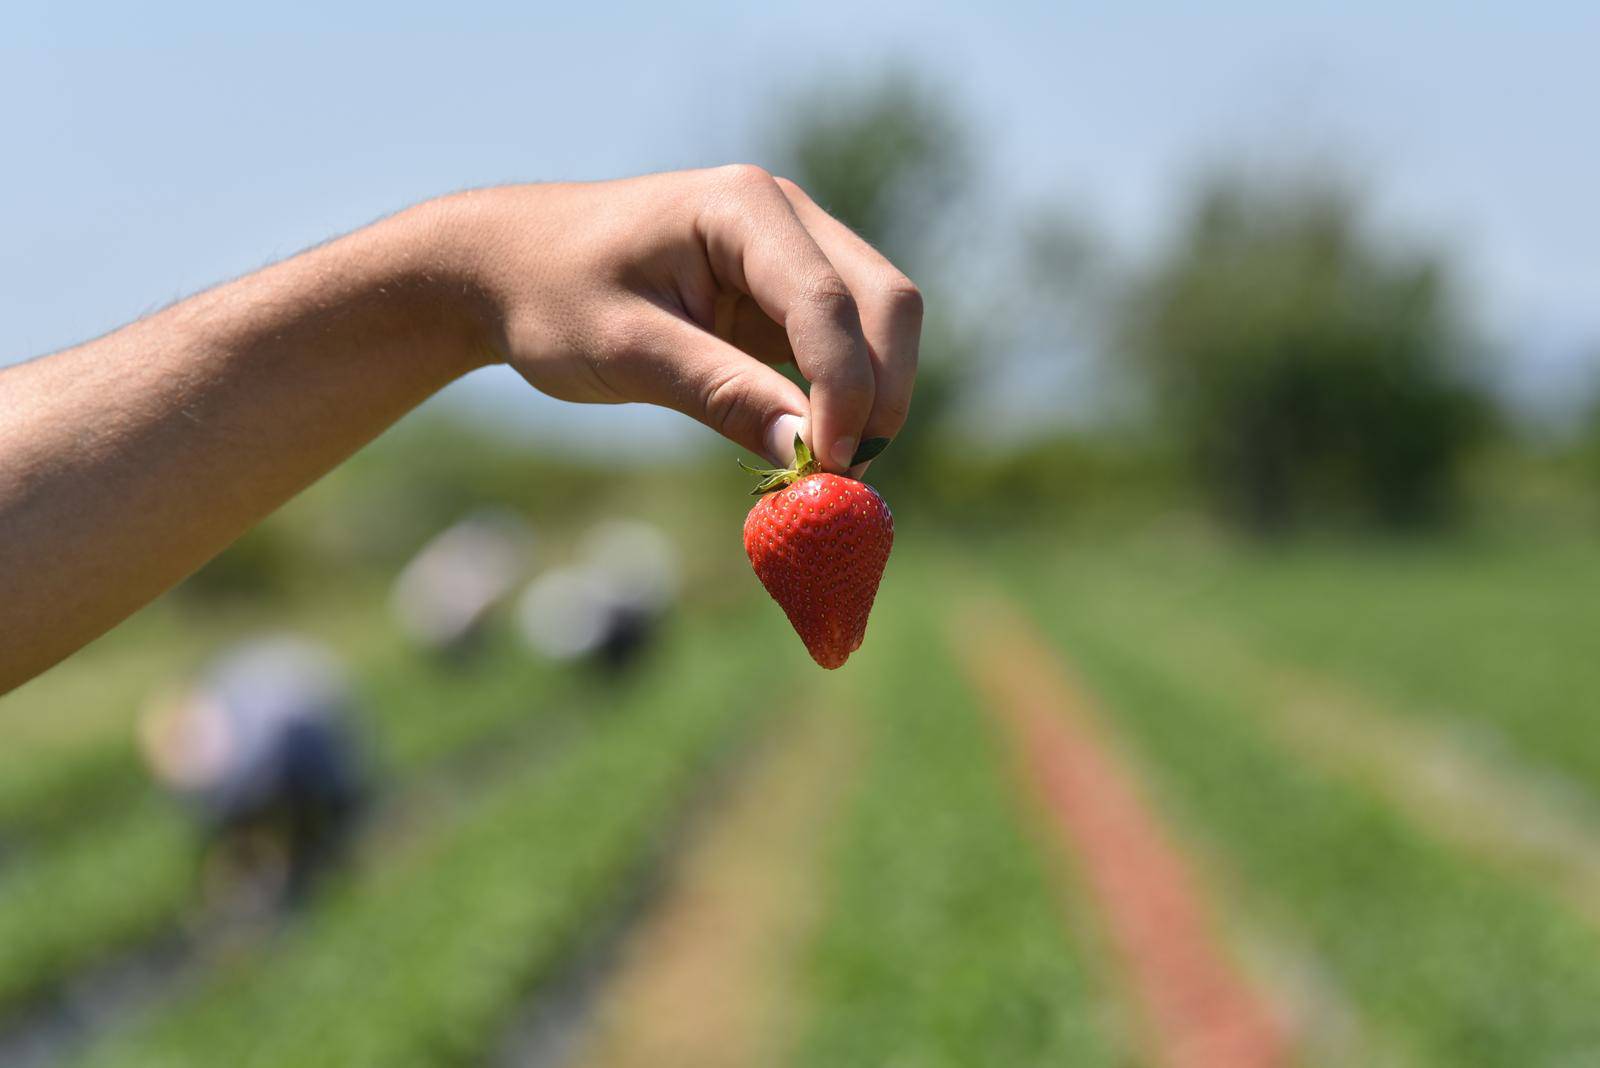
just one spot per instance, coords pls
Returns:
(1373, 767)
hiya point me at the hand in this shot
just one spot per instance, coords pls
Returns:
(683, 290)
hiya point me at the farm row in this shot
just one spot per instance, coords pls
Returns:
(1378, 761)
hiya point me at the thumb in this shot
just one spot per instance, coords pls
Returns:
(738, 396)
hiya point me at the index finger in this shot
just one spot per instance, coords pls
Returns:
(758, 245)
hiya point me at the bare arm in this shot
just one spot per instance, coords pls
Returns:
(127, 462)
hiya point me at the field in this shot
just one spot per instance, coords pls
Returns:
(1353, 787)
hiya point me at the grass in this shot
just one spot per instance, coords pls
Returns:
(1492, 634)
(103, 887)
(944, 941)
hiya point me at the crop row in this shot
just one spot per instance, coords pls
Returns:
(92, 891)
(1442, 959)
(944, 941)
(422, 960)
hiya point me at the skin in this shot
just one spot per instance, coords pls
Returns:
(129, 461)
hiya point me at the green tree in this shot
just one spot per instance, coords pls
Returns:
(1308, 368)
(891, 157)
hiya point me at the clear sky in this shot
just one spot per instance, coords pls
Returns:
(151, 150)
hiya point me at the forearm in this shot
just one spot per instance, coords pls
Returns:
(127, 462)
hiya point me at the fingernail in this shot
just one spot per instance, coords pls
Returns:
(844, 450)
(780, 438)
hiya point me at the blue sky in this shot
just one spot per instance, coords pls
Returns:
(153, 150)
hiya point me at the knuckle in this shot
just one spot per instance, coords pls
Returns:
(744, 177)
(827, 292)
(901, 296)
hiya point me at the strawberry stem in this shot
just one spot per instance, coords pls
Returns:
(775, 478)
(805, 464)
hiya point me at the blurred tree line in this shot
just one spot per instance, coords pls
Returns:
(1306, 370)
(1298, 368)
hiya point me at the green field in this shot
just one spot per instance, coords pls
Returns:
(524, 808)
(1443, 958)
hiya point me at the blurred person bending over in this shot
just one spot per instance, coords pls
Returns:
(444, 598)
(128, 461)
(261, 749)
(607, 609)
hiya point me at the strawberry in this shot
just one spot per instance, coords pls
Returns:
(818, 543)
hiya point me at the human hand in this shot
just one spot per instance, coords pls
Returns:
(684, 290)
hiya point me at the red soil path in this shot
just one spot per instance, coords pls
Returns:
(1199, 1011)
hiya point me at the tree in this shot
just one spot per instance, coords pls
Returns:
(1305, 366)
(890, 157)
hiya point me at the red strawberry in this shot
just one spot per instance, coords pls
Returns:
(818, 543)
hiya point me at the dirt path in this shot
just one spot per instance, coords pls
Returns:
(706, 982)
(1198, 1009)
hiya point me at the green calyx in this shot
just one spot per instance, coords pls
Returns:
(776, 478)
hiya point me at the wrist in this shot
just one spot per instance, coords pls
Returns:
(432, 269)
(462, 236)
